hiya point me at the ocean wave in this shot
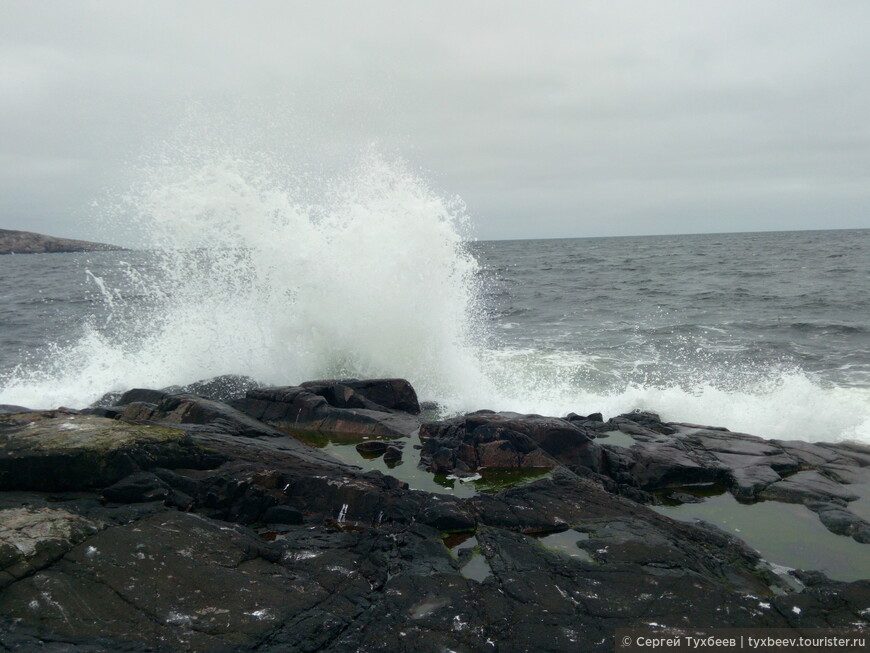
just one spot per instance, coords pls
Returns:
(374, 277)
(247, 277)
(771, 402)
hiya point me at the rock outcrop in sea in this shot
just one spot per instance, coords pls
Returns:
(173, 521)
(27, 242)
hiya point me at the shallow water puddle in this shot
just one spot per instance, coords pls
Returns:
(617, 438)
(426, 607)
(475, 566)
(567, 543)
(343, 447)
(495, 480)
(325, 439)
(783, 533)
(459, 542)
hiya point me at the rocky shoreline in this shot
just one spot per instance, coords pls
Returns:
(27, 242)
(202, 519)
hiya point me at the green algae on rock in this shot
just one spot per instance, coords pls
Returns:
(60, 450)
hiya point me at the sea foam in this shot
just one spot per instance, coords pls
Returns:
(250, 273)
(246, 278)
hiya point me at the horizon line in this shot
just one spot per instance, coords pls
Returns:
(694, 233)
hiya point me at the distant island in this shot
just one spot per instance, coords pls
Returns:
(26, 242)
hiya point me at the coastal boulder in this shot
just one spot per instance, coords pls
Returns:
(377, 408)
(506, 441)
(374, 394)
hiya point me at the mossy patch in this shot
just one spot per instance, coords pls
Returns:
(54, 451)
(68, 433)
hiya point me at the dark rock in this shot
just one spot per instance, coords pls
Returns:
(139, 487)
(668, 463)
(190, 409)
(842, 521)
(143, 395)
(750, 467)
(334, 407)
(220, 388)
(747, 482)
(202, 417)
(807, 486)
(372, 447)
(55, 450)
(109, 412)
(682, 497)
(392, 455)
(178, 482)
(808, 453)
(507, 440)
(33, 538)
(646, 420)
(282, 515)
(356, 561)
(139, 411)
(687, 425)
(631, 428)
(392, 394)
(218, 587)
(594, 422)
(333, 589)
(9, 408)
(448, 516)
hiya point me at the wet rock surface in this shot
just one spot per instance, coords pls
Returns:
(506, 441)
(230, 535)
(378, 407)
(61, 450)
(751, 468)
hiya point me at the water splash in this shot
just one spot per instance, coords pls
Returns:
(248, 276)
(251, 271)
(773, 402)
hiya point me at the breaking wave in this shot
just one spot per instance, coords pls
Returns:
(248, 276)
(367, 275)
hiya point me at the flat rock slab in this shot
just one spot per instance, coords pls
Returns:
(807, 486)
(56, 450)
(841, 521)
(32, 538)
(190, 583)
(206, 417)
(680, 455)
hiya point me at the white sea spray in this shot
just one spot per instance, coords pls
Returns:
(252, 270)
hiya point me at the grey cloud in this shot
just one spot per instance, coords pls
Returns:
(565, 119)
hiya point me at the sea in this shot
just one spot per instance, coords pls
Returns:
(764, 333)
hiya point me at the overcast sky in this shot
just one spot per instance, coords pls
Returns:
(551, 119)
